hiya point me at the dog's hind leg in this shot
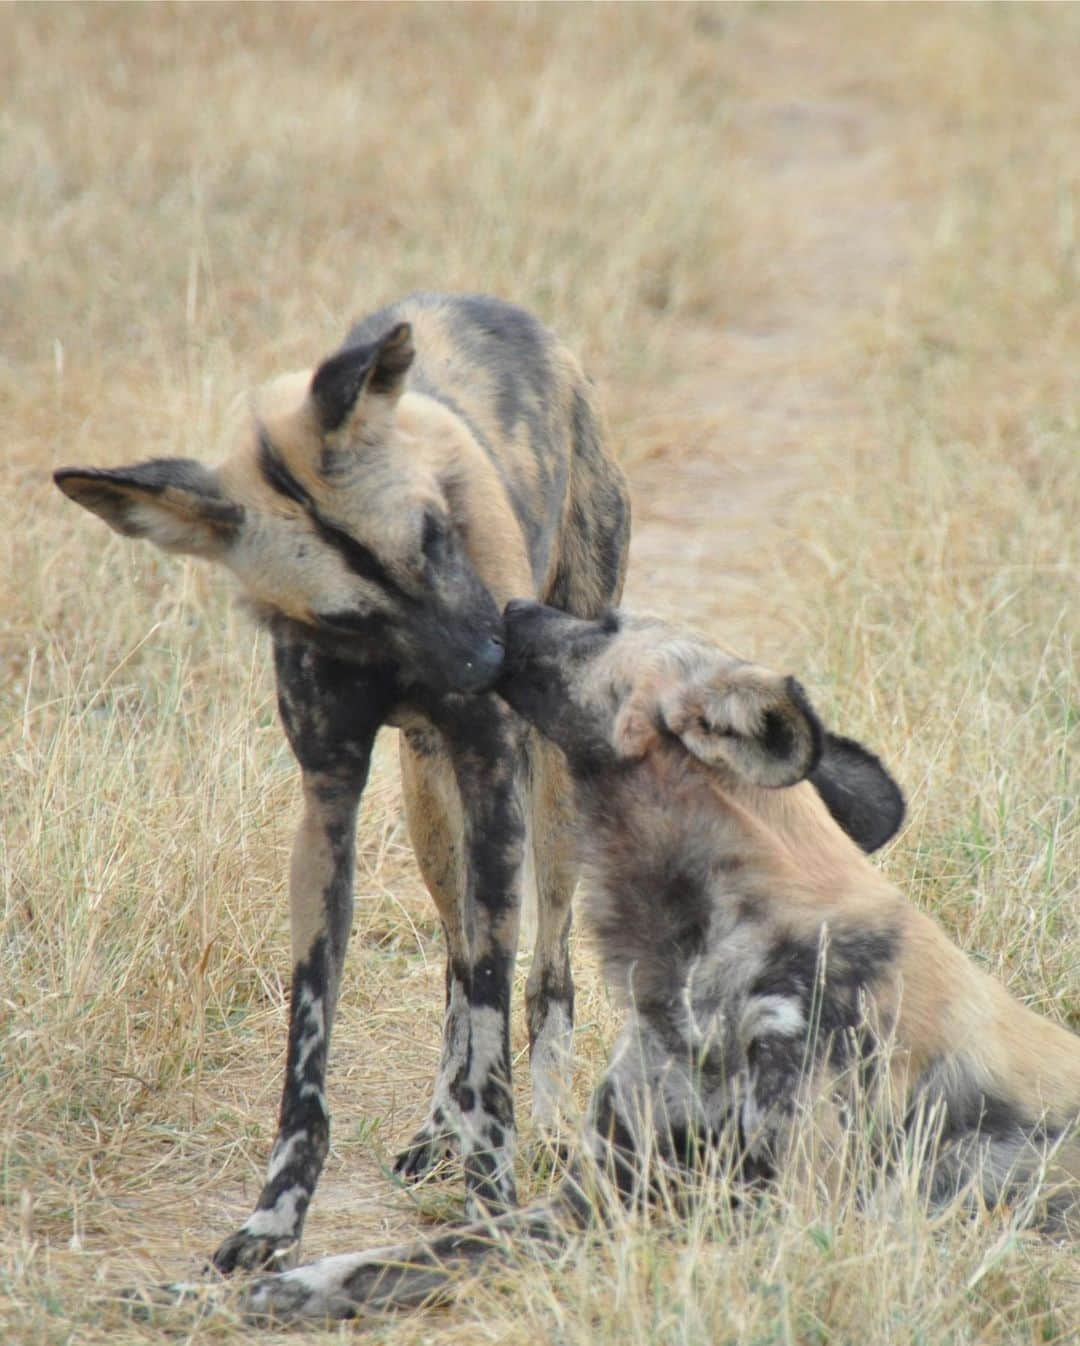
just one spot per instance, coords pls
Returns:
(434, 814)
(407, 1276)
(549, 991)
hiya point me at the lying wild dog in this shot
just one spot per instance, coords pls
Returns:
(768, 970)
(378, 514)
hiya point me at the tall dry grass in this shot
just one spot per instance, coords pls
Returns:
(195, 198)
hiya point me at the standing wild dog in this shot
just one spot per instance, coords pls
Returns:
(378, 514)
(769, 972)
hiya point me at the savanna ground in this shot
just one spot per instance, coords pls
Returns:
(825, 264)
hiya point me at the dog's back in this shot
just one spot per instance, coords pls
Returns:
(534, 413)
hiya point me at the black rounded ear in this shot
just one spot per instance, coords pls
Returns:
(342, 384)
(745, 718)
(859, 792)
(175, 503)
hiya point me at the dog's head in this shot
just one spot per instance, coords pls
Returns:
(332, 515)
(613, 691)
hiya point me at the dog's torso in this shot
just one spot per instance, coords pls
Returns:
(766, 963)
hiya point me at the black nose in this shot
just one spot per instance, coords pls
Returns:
(517, 607)
(483, 666)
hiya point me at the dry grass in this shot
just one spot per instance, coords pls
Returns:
(196, 198)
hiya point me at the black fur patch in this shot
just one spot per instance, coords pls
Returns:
(338, 382)
(310, 983)
(489, 983)
(777, 736)
(513, 349)
(359, 559)
(331, 710)
(859, 792)
(798, 698)
(498, 1101)
(377, 367)
(556, 988)
(368, 624)
(827, 981)
(969, 1110)
(277, 476)
(151, 477)
(660, 916)
(620, 1149)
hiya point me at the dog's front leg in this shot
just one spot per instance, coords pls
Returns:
(331, 713)
(487, 749)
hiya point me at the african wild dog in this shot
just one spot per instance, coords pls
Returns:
(768, 970)
(378, 514)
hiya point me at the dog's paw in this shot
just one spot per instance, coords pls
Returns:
(244, 1251)
(433, 1152)
(548, 1153)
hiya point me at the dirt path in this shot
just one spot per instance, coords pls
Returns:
(709, 508)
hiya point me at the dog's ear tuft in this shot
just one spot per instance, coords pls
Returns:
(748, 720)
(394, 353)
(175, 503)
(343, 385)
(859, 792)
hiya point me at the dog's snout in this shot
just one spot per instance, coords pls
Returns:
(519, 607)
(490, 654)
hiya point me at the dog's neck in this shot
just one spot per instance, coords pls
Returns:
(668, 814)
(679, 858)
(796, 830)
